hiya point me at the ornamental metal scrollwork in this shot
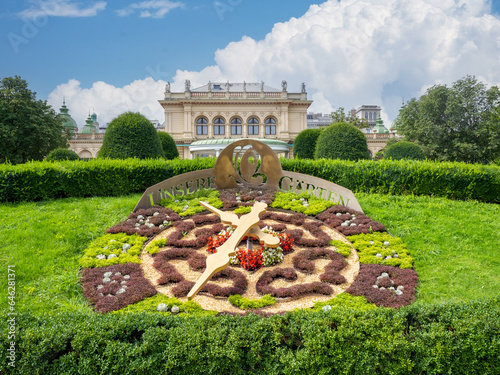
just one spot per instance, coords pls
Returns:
(249, 173)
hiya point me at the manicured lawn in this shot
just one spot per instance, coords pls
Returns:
(456, 245)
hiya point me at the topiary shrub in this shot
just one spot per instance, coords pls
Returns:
(404, 150)
(342, 141)
(131, 135)
(168, 145)
(305, 143)
(60, 154)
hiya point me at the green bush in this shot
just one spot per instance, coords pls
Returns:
(341, 141)
(305, 143)
(459, 338)
(245, 303)
(404, 150)
(131, 135)
(60, 154)
(168, 145)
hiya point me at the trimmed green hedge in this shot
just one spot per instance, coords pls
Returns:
(98, 177)
(399, 177)
(43, 180)
(461, 338)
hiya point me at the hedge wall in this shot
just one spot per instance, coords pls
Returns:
(461, 338)
(44, 180)
(399, 177)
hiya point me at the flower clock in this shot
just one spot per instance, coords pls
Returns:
(326, 253)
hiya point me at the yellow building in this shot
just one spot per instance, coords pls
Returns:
(203, 120)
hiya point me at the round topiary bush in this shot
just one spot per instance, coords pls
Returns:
(131, 135)
(342, 141)
(168, 145)
(404, 150)
(305, 143)
(62, 154)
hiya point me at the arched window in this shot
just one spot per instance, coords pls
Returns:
(219, 127)
(253, 127)
(370, 115)
(236, 126)
(201, 126)
(366, 115)
(270, 126)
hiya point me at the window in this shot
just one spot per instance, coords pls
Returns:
(201, 129)
(253, 120)
(270, 129)
(236, 121)
(366, 115)
(219, 121)
(270, 126)
(235, 129)
(253, 129)
(219, 129)
(202, 120)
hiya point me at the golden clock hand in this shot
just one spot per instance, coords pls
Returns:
(225, 217)
(268, 239)
(220, 259)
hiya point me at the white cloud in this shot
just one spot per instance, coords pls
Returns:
(153, 8)
(109, 101)
(61, 8)
(354, 52)
(349, 52)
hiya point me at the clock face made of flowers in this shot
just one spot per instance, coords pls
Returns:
(302, 250)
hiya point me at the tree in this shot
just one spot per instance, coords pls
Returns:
(62, 154)
(29, 128)
(131, 135)
(168, 145)
(342, 141)
(340, 116)
(404, 150)
(305, 143)
(458, 123)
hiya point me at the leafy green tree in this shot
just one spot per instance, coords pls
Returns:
(342, 141)
(131, 135)
(340, 116)
(404, 150)
(458, 123)
(305, 143)
(168, 145)
(62, 154)
(29, 128)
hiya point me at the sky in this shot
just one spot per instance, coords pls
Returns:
(109, 57)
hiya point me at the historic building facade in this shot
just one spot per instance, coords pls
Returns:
(205, 119)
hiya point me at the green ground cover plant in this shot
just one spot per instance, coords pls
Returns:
(189, 204)
(305, 203)
(245, 303)
(113, 249)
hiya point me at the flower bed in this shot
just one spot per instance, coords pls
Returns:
(318, 256)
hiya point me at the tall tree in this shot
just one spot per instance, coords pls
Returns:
(340, 116)
(29, 128)
(458, 123)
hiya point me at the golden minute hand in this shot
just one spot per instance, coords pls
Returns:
(220, 259)
(225, 217)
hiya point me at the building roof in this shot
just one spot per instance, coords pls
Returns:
(89, 127)
(235, 87)
(68, 122)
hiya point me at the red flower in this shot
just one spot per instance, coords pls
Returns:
(250, 259)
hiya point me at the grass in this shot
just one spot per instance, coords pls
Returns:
(456, 245)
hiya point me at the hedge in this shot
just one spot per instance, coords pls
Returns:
(98, 177)
(458, 338)
(43, 180)
(399, 177)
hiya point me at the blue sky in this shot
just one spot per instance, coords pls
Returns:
(99, 53)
